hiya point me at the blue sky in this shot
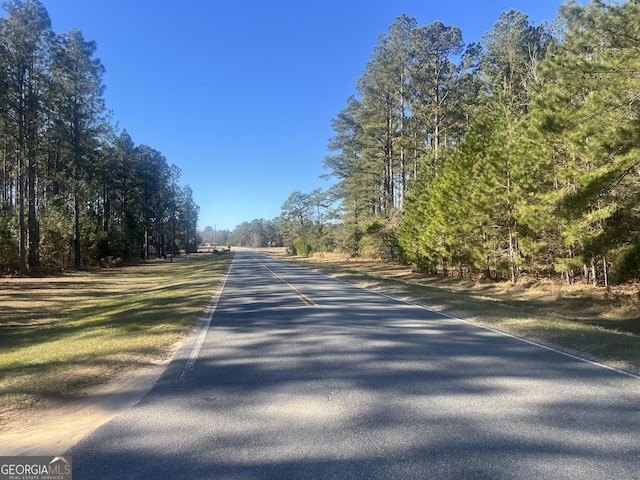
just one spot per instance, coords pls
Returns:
(239, 94)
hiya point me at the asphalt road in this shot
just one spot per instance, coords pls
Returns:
(300, 376)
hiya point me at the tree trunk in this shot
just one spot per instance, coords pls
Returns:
(146, 244)
(21, 222)
(585, 272)
(32, 218)
(21, 186)
(106, 213)
(513, 254)
(77, 254)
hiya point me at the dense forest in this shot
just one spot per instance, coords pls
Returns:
(516, 156)
(75, 191)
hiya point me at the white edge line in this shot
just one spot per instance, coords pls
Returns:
(555, 350)
(500, 332)
(209, 311)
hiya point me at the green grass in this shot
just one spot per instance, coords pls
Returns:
(596, 323)
(59, 335)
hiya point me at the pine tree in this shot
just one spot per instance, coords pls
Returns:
(588, 112)
(78, 104)
(434, 81)
(25, 38)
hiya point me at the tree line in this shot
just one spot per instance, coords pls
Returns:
(74, 189)
(518, 155)
(307, 224)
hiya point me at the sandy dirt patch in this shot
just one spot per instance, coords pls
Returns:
(56, 428)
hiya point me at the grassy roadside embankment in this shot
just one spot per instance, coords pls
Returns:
(61, 334)
(595, 323)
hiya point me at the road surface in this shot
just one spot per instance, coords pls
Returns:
(301, 376)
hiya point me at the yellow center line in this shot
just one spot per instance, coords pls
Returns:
(304, 298)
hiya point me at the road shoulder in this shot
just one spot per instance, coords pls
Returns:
(55, 429)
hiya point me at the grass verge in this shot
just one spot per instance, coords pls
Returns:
(61, 334)
(595, 323)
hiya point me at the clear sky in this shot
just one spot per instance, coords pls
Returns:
(239, 94)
